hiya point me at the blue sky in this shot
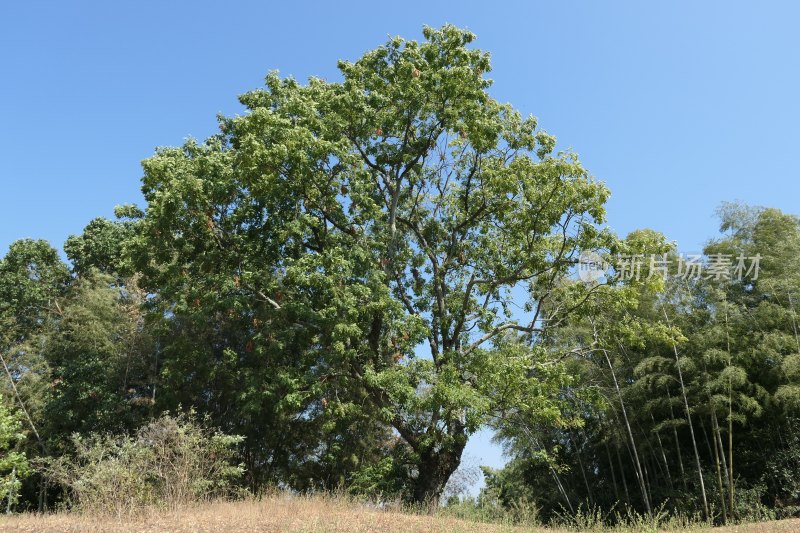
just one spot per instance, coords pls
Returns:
(677, 107)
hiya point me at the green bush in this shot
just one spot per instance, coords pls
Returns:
(169, 462)
(13, 463)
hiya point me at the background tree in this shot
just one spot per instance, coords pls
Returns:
(99, 360)
(705, 369)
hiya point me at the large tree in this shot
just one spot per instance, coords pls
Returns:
(383, 246)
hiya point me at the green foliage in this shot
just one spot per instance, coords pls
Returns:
(99, 359)
(13, 462)
(382, 480)
(356, 276)
(169, 462)
(101, 245)
(31, 277)
(361, 241)
(729, 346)
(520, 513)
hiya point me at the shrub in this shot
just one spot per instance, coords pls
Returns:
(13, 463)
(169, 462)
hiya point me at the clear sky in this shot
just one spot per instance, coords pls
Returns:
(677, 107)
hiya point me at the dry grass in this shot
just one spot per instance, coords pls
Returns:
(284, 513)
(781, 526)
(276, 513)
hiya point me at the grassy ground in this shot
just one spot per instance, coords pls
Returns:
(295, 514)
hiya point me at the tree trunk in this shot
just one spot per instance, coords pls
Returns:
(714, 432)
(435, 468)
(663, 454)
(677, 444)
(691, 427)
(613, 474)
(589, 496)
(637, 463)
(722, 452)
(622, 475)
(730, 403)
